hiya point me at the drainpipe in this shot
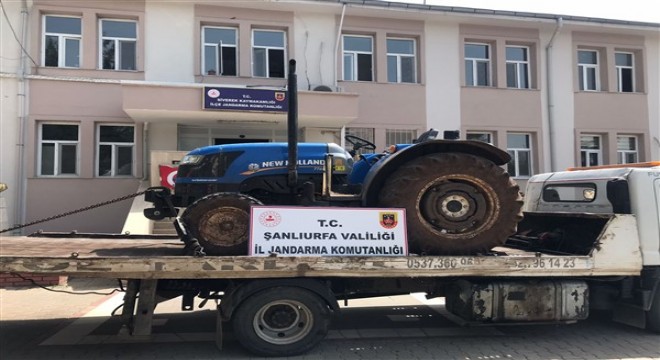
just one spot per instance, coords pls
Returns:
(550, 99)
(338, 40)
(146, 169)
(22, 98)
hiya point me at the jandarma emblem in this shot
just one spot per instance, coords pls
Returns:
(388, 220)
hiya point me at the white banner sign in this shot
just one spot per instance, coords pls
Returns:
(325, 231)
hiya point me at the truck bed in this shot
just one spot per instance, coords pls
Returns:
(616, 252)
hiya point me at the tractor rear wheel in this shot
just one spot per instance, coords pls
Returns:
(221, 222)
(455, 203)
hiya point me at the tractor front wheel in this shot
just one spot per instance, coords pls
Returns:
(221, 222)
(455, 203)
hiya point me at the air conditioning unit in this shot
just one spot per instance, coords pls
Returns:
(321, 88)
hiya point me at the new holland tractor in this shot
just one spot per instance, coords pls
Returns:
(457, 197)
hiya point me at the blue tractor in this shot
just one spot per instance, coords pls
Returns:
(457, 197)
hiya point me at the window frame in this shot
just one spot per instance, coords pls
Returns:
(621, 153)
(583, 79)
(61, 43)
(518, 64)
(218, 50)
(515, 157)
(113, 155)
(267, 48)
(117, 43)
(398, 57)
(398, 133)
(619, 69)
(57, 169)
(355, 54)
(490, 135)
(366, 133)
(587, 152)
(475, 61)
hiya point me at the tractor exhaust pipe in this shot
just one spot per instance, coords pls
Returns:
(292, 126)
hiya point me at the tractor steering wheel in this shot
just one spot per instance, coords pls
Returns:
(359, 143)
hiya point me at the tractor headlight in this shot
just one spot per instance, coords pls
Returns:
(191, 159)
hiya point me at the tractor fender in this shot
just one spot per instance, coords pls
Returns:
(234, 297)
(377, 175)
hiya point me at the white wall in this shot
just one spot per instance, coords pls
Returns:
(9, 112)
(563, 147)
(443, 83)
(170, 40)
(315, 35)
(653, 85)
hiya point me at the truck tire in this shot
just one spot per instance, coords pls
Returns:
(281, 321)
(221, 222)
(455, 203)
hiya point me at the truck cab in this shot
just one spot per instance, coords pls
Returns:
(624, 189)
(630, 190)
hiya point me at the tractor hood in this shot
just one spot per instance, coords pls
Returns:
(233, 163)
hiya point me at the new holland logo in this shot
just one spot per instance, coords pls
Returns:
(388, 220)
(280, 96)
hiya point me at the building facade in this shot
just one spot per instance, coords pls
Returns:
(91, 90)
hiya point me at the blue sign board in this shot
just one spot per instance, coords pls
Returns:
(243, 99)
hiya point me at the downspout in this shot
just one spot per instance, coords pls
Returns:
(550, 99)
(342, 142)
(146, 169)
(21, 180)
(338, 40)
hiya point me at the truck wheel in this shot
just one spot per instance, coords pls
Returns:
(455, 203)
(221, 222)
(281, 321)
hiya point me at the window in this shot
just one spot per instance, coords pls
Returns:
(401, 63)
(358, 58)
(579, 192)
(61, 44)
(625, 72)
(115, 150)
(480, 136)
(590, 150)
(58, 150)
(517, 67)
(477, 65)
(268, 57)
(364, 133)
(220, 55)
(393, 137)
(627, 149)
(519, 147)
(118, 45)
(588, 70)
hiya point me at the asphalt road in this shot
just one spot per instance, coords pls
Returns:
(37, 324)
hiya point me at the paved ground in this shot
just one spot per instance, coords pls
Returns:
(37, 324)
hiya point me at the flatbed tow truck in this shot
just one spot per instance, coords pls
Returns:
(590, 239)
